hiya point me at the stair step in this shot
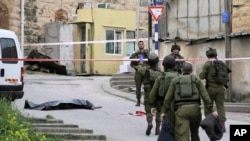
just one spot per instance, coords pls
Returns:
(54, 125)
(121, 78)
(123, 74)
(120, 87)
(122, 82)
(62, 130)
(43, 120)
(77, 136)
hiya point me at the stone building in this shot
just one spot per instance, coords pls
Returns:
(39, 12)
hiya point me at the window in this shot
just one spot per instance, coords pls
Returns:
(114, 47)
(8, 49)
(130, 46)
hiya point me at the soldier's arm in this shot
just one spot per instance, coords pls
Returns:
(204, 95)
(204, 72)
(169, 97)
(153, 93)
(133, 64)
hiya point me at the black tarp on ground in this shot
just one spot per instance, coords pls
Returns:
(61, 105)
(46, 66)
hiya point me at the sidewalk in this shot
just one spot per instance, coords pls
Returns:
(234, 111)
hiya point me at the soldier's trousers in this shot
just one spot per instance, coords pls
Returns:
(138, 84)
(147, 104)
(187, 118)
(217, 95)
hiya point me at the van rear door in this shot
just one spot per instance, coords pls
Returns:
(11, 69)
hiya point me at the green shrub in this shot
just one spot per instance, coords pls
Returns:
(14, 126)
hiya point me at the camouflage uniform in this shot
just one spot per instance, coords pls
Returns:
(215, 91)
(139, 68)
(187, 112)
(157, 101)
(148, 84)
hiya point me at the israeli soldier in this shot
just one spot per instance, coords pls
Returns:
(151, 73)
(175, 52)
(186, 90)
(215, 90)
(160, 88)
(139, 67)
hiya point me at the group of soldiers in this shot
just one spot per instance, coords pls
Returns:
(175, 94)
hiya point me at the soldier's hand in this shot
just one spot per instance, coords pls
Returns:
(215, 114)
(162, 116)
(153, 111)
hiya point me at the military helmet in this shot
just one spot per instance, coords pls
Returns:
(175, 46)
(153, 59)
(168, 62)
(211, 52)
(187, 67)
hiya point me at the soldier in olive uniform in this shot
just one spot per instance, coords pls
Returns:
(151, 74)
(216, 91)
(160, 88)
(186, 90)
(175, 52)
(139, 67)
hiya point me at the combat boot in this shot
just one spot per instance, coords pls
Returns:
(138, 102)
(157, 128)
(150, 125)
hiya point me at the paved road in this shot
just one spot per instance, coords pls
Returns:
(116, 118)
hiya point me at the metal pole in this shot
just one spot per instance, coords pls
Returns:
(149, 29)
(156, 37)
(22, 25)
(228, 49)
(137, 20)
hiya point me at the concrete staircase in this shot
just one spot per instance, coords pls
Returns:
(67, 132)
(124, 82)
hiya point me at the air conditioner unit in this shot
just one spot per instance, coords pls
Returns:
(103, 5)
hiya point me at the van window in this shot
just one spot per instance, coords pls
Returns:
(8, 49)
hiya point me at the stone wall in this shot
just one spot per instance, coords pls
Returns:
(240, 16)
(40, 12)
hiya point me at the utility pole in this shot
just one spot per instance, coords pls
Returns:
(150, 3)
(137, 20)
(228, 51)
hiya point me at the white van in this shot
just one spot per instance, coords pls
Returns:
(11, 69)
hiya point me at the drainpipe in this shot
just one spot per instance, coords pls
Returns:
(22, 25)
(227, 5)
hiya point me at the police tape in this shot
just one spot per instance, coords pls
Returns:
(83, 42)
(111, 60)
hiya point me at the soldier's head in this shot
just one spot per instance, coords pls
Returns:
(168, 62)
(175, 49)
(153, 59)
(141, 45)
(211, 53)
(187, 68)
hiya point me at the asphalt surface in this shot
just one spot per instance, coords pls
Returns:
(241, 117)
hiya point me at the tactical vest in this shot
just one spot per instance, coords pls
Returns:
(165, 82)
(217, 73)
(186, 90)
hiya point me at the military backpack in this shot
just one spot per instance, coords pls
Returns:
(218, 72)
(186, 89)
(165, 82)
